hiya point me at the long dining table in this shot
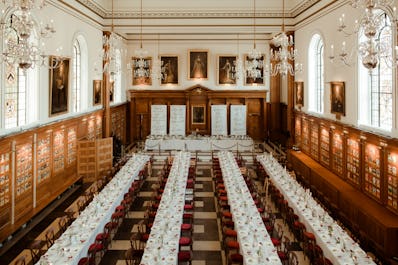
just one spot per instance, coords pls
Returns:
(255, 243)
(75, 241)
(163, 242)
(336, 244)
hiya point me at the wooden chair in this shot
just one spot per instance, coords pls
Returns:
(36, 249)
(50, 237)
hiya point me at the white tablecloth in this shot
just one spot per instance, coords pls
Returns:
(163, 242)
(200, 144)
(255, 243)
(336, 244)
(75, 241)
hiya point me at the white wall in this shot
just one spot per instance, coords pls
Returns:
(326, 25)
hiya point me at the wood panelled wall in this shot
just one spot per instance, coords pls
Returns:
(366, 164)
(38, 165)
(141, 101)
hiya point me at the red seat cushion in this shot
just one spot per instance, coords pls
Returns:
(236, 257)
(309, 235)
(120, 208)
(275, 241)
(95, 247)
(186, 227)
(185, 241)
(184, 256)
(230, 232)
(227, 214)
(223, 198)
(282, 255)
(233, 244)
(187, 216)
(83, 261)
(188, 207)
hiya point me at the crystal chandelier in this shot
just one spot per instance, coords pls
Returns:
(373, 46)
(255, 61)
(112, 44)
(20, 47)
(283, 55)
(141, 63)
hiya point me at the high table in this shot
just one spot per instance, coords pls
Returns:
(75, 241)
(255, 243)
(336, 244)
(163, 242)
(200, 143)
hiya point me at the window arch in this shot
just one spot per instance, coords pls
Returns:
(376, 86)
(77, 72)
(316, 74)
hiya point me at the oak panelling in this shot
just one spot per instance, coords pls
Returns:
(5, 183)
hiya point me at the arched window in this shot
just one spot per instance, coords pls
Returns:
(76, 84)
(19, 85)
(316, 74)
(376, 86)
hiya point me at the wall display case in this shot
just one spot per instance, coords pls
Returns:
(353, 160)
(325, 146)
(315, 141)
(305, 138)
(392, 180)
(58, 150)
(5, 177)
(72, 145)
(298, 131)
(24, 169)
(43, 156)
(372, 170)
(337, 150)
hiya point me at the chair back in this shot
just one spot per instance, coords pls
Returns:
(293, 260)
(130, 257)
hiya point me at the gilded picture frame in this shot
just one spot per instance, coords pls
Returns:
(97, 92)
(198, 64)
(198, 114)
(337, 98)
(299, 93)
(147, 65)
(226, 69)
(169, 69)
(249, 81)
(59, 85)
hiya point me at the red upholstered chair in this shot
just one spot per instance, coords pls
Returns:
(284, 252)
(185, 256)
(309, 245)
(95, 252)
(104, 239)
(185, 242)
(186, 229)
(235, 258)
(83, 261)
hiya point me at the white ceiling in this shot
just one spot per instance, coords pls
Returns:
(221, 19)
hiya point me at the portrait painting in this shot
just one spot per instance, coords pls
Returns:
(169, 70)
(299, 92)
(198, 63)
(337, 98)
(198, 114)
(97, 92)
(59, 85)
(226, 70)
(256, 74)
(142, 71)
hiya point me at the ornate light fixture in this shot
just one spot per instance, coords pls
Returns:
(283, 55)
(20, 47)
(373, 46)
(111, 43)
(255, 60)
(141, 64)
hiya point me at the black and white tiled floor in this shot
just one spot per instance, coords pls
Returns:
(207, 237)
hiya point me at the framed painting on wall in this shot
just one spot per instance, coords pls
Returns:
(142, 70)
(226, 70)
(337, 98)
(299, 93)
(59, 85)
(198, 114)
(256, 74)
(169, 69)
(97, 92)
(198, 64)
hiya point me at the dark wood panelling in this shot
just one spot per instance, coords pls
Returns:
(141, 100)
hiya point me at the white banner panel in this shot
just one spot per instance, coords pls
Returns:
(219, 120)
(158, 120)
(177, 120)
(238, 119)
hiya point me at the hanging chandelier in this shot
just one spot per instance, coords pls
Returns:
(373, 46)
(112, 46)
(141, 63)
(255, 61)
(283, 56)
(21, 48)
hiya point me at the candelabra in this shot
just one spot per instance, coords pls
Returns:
(254, 64)
(375, 29)
(21, 48)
